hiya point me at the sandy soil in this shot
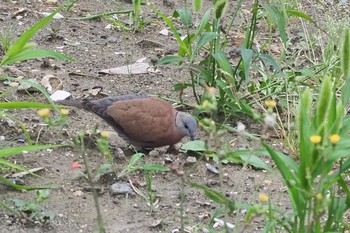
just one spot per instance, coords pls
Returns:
(97, 47)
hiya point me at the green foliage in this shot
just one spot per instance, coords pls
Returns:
(215, 68)
(313, 191)
(31, 211)
(69, 4)
(134, 165)
(23, 50)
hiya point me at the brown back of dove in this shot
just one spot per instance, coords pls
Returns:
(143, 121)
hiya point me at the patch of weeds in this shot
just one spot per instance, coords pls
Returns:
(137, 163)
(69, 4)
(6, 40)
(22, 50)
(31, 211)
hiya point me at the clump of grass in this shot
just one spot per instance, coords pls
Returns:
(31, 211)
(6, 40)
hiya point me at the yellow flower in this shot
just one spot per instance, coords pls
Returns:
(334, 138)
(104, 134)
(319, 196)
(200, 124)
(64, 112)
(205, 103)
(43, 113)
(315, 139)
(263, 197)
(270, 103)
(211, 90)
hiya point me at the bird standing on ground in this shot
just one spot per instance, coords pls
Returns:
(143, 121)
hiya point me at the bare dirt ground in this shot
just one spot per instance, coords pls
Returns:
(96, 47)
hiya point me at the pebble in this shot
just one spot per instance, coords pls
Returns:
(121, 188)
(212, 168)
(77, 175)
(191, 160)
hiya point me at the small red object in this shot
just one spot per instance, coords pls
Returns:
(75, 165)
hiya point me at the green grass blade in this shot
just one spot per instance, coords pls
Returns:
(197, 5)
(35, 53)
(174, 31)
(219, 8)
(8, 164)
(18, 122)
(290, 179)
(204, 23)
(185, 16)
(223, 62)
(205, 38)
(6, 152)
(304, 132)
(169, 59)
(278, 18)
(215, 196)
(23, 105)
(345, 64)
(21, 187)
(20, 44)
(300, 15)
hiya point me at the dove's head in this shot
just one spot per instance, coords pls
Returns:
(186, 124)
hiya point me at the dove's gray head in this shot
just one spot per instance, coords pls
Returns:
(186, 124)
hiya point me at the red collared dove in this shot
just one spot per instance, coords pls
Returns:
(143, 121)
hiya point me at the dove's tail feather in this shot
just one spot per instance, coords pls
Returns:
(72, 103)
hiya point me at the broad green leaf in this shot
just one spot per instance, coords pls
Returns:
(248, 159)
(304, 129)
(204, 23)
(288, 177)
(247, 55)
(155, 167)
(185, 16)
(270, 60)
(169, 59)
(196, 145)
(181, 86)
(219, 8)
(103, 168)
(324, 102)
(223, 62)
(278, 18)
(202, 71)
(205, 38)
(135, 158)
(197, 5)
